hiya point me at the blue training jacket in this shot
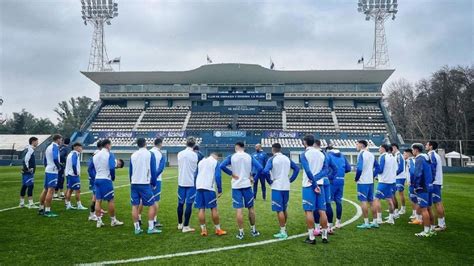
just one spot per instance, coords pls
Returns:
(338, 167)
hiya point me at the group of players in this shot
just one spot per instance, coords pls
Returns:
(198, 177)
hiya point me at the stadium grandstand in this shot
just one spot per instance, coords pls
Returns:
(220, 104)
(12, 146)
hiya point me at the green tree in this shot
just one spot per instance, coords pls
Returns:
(72, 113)
(26, 123)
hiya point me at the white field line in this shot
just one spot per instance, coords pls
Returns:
(82, 193)
(212, 250)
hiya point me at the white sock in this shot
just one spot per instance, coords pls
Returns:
(154, 219)
(137, 225)
(203, 226)
(413, 213)
(338, 221)
(283, 229)
(441, 222)
(113, 219)
(402, 208)
(324, 233)
(375, 221)
(390, 216)
(241, 231)
(316, 226)
(379, 216)
(217, 226)
(41, 207)
(396, 212)
(31, 202)
(252, 227)
(68, 204)
(419, 217)
(47, 209)
(79, 204)
(99, 219)
(151, 224)
(426, 229)
(432, 227)
(330, 225)
(311, 234)
(366, 220)
(22, 201)
(139, 217)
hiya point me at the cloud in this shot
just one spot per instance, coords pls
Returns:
(44, 44)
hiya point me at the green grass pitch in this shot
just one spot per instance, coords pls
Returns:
(26, 238)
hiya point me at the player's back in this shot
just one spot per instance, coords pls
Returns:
(393, 167)
(241, 163)
(280, 172)
(206, 173)
(102, 164)
(187, 165)
(315, 160)
(385, 173)
(72, 161)
(367, 174)
(51, 153)
(158, 155)
(140, 162)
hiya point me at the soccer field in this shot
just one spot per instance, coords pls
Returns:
(26, 238)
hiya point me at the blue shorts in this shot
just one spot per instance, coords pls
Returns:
(205, 199)
(104, 189)
(327, 193)
(436, 194)
(424, 199)
(280, 200)
(313, 201)
(28, 179)
(157, 191)
(141, 193)
(384, 191)
(73, 182)
(50, 180)
(400, 184)
(412, 195)
(337, 192)
(365, 192)
(186, 195)
(242, 197)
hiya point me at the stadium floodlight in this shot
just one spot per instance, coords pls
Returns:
(98, 13)
(379, 11)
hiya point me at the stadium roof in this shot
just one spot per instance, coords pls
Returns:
(19, 142)
(241, 74)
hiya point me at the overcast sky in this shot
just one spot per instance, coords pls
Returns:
(44, 43)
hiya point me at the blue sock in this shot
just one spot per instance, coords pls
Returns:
(329, 212)
(187, 213)
(180, 213)
(316, 216)
(338, 210)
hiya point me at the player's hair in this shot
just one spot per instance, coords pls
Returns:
(240, 144)
(67, 141)
(363, 142)
(386, 147)
(214, 153)
(190, 142)
(196, 148)
(141, 142)
(276, 146)
(77, 144)
(395, 145)
(390, 150)
(309, 139)
(433, 144)
(57, 137)
(417, 146)
(106, 142)
(100, 144)
(32, 139)
(329, 147)
(158, 141)
(317, 142)
(122, 163)
(408, 150)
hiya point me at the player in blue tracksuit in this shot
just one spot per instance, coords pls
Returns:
(52, 165)
(437, 172)
(262, 159)
(338, 167)
(28, 173)
(160, 164)
(423, 182)
(64, 150)
(410, 174)
(366, 169)
(91, 173)
(198, 152)
(326, 186)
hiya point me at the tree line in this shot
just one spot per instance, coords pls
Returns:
(439, 107)
(71, 114)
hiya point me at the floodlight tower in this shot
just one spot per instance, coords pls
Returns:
(379, 11)
(98, 13)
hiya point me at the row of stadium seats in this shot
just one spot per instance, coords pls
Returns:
(159, 118)
(209, 121)
(297, 143)
(313, 118)
(366, 119)
(167, 142)
(116, 118)
(260, 121)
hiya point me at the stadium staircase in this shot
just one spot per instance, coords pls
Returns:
(186, 120)
(139, 120)
(336, 124)
(283, 119)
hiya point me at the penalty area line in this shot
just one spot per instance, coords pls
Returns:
(212, 250)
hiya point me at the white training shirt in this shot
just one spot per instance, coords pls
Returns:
(280, 172)
(71, 157)
(187, 166)
(438, 178)
(386, 175)
(241, 165)
(394, 168)
(315, 161)
(367, 175)
(400, 160)
(51, 153)
(28, 155)
(206, 173)
(140, 162)
(102, 164)
(158, 156)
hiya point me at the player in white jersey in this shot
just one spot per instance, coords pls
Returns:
(410, 173)
(277, 172)
(437, 172)
(365, 183)
(187, 167)
(52, 166)
(209, 174)
(242, 164)
(400, 181)
(105, 164)
(28, 173)
(315, 168)
(142, 172)
(73, 172)
(160, 165)
(384, 191)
